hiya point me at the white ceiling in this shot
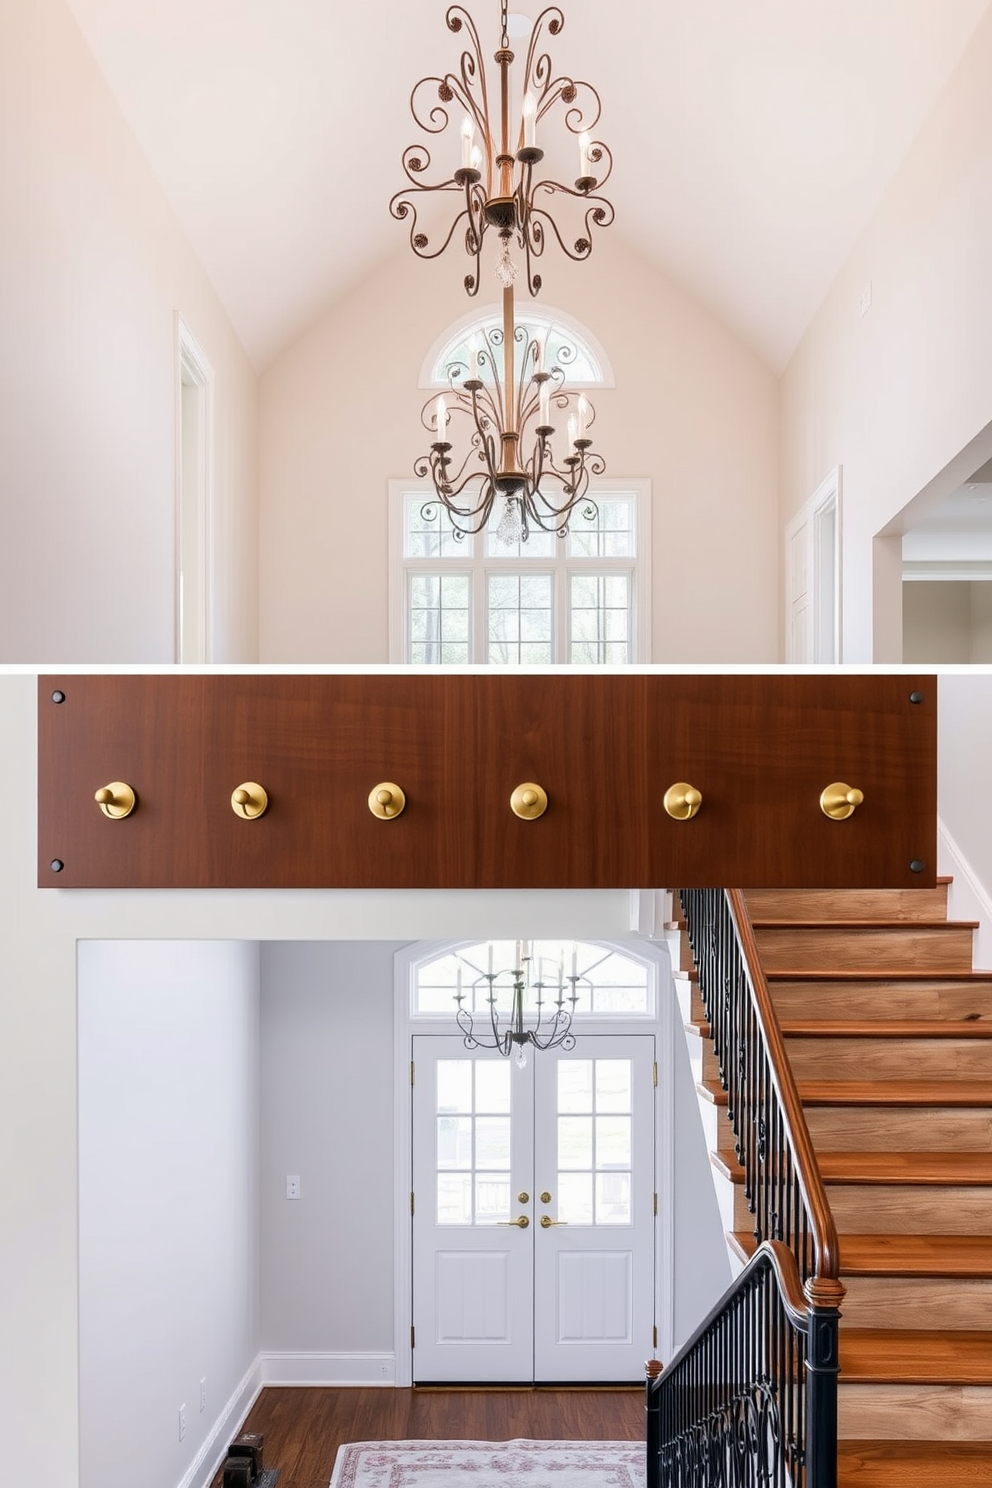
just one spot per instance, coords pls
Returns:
(752, 138)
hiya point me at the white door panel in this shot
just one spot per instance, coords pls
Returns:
(572, 1299)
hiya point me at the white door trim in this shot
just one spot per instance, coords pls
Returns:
(194, 495)
(822, 594)
(663, 1026)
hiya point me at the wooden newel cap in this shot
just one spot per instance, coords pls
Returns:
(653, 1368)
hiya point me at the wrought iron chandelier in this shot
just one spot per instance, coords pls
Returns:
(495, 180)
(546, 1029)
(508, 452)
(518, 439)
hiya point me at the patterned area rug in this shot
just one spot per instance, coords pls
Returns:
(475, 1464)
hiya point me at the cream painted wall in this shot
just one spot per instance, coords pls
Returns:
(93, 267)
(947, 621)
(894, 396)
(168, 1202)
(39, 930)
(693, 410)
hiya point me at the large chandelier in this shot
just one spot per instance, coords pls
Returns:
(549, 1026)
(494, 180)
(518, 439)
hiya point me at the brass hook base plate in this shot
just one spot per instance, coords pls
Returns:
(682, 801)
(839, 801)
(386, 800)
(122, 800)
(256, 803)
(529, 801)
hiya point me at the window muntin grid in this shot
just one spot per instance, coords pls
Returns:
(472, 1142)
(595, 1137)
(609, 985)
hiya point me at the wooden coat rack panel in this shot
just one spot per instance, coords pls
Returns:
(759, 749)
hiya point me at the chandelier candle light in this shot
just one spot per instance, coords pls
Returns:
(551, 1030)
(494, 182)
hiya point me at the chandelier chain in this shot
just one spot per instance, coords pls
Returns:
(505, 35)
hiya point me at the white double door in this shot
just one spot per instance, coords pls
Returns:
(534, 1212)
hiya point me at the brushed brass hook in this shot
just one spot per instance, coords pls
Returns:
(386, 800)
(682, 800)
(116, 800)
(249, 801)
(839, 801)
(529, 801)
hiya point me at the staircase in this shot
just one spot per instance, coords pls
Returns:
(889, 1034)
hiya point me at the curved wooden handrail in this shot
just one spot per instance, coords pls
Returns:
(824, 1287)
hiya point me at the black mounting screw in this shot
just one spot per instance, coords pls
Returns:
(57, 865)
(916, 697)
(58, 697)
(917, 866)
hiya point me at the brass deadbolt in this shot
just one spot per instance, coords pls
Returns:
(386, 800)
(682, 801)
(249, 801)
(529, 801)
(545, 1197)
(116, 800)
(523, 1197)
(839, 801)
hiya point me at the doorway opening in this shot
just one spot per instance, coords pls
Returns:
(194, 467)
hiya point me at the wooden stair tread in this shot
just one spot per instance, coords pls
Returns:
(914, 1464)
(912, 974)
(965, 1169)
(952, 1169)
(914, 1356)
(916, 1255)
(912, 927)
(958, 1093)
(894, 1028)
(712, 1091)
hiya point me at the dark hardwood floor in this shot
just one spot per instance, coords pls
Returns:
(303, 1428)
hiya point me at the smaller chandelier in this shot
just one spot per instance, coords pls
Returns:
(520, 443)
(496, 184)
(550, 1027)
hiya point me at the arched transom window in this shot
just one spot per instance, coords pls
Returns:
(608, 984)
(565, 344)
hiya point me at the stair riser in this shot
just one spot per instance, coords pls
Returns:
(717, 1129)
(918, 947)
(870, 1129)
(950, 1002)
(914, 1412)
(937, 1302)
(848, 904)
(910, 1209)
(890, 1058)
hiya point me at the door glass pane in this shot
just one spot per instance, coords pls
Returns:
(454, 1085)
(473, 1136)
(575, 1198)
(594, 1149)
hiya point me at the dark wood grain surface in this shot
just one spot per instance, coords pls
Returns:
(605, 748)
(303, 1428)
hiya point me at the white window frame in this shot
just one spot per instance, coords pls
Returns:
(479, 565)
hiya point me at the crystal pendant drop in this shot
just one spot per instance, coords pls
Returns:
(510, 529)
(506, 269)
(520, 1057)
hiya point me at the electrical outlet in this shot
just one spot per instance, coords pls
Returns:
(384, 1370)
(182, 1421)
(203, 1393)
(292, 1185)
(864, 304)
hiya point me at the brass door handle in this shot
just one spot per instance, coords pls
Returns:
(547, 1221)
(839, 801)
(521, 1222)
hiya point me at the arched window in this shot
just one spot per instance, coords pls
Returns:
(567, 344)
(608, 984)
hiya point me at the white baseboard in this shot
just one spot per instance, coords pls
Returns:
(203, 1468)
(968, 898)
(328, 1369)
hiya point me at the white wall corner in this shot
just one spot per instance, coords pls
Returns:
(203, 1469)
(650, 912)
(328, 1369)
(967, 897)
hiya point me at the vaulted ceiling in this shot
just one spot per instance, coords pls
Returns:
(752, 138)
